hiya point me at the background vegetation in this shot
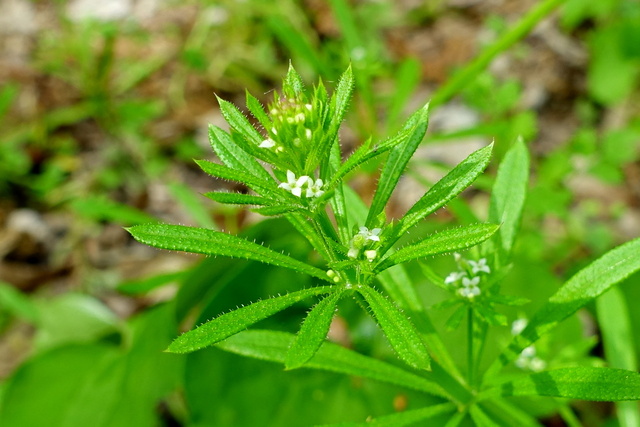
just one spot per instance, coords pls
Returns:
(102, 111)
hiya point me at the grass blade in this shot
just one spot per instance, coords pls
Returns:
(617, 336)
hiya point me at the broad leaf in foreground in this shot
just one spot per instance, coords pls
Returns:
(210, 242)
(235, 321)
(273, 346)
(585, 383)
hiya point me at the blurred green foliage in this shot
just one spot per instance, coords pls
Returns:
(87, 366)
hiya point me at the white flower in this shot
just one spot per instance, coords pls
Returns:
(479, 266)
(454, 277)
(518, 326)
(373, 235)
(314, 189)
(295, 185)
(267, 143)
(469, 292)
(469, 287)
(466, 282)
(371, 254)
(528, 360)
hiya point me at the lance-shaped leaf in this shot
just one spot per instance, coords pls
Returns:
(439, 243)
(480, 418)
(444, 190)
(225, 172)
(313, 331)
(256, 109)
(237, 198)
(400, 332)
(210, 242)
(339, 106)
(235, 321)
(586, 285)
(292, 83)
(508, 194)
(406, 418)
(273, 346)
(585, 383)
(234, 156)
(239, 122)
(277, 210)
(397, 162)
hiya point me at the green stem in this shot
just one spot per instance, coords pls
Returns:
(475, 67)
(470, 358)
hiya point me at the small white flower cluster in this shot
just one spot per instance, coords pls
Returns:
(468, 278)
(359, 241)
(296, 185)
(528, 359)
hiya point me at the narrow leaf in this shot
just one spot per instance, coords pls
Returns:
(225, 172)
(508, 194)
(235, 321)
(395, 165)
(209, 242)
(313, 331)
(446, 189)
(256, 109)
(237, 198)
(292, 84)
(276, 210)
(585, 383)
(438, 243)
(617, 337)
(586, 285)
(339, 106)
(400, 332)
(405, 418)
(234, 156)
(273, 346)
(239, 122)
(481, 419)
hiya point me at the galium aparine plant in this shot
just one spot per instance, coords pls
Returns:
(292, 164)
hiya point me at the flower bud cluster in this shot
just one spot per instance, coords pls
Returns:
(294, 121)
(361, 242)
(466, 279)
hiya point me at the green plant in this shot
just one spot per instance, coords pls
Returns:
(361, 251)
